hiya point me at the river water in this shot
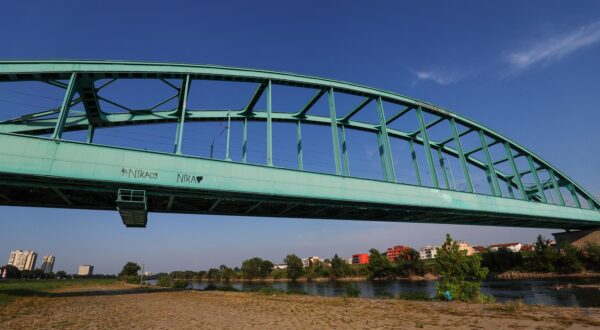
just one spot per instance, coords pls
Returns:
(542, 292)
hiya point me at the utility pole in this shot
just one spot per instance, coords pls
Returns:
(142, 275)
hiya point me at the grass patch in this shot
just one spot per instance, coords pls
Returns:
(273, 291)
(227, 287)
(13, 289)
(511, 307)
(414, 295)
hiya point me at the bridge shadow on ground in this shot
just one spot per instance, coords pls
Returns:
(84, 293)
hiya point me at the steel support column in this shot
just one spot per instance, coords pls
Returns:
(227, 157)
(490, 165)
(269, 126)
(345, 152)
(513, 166)
(90, 133)
(334, 133)
(299, 145)
(182, 105)
(556, 187)
(461, 155)
(427, 146)
(536, 178)
(443, 166)
(245, 141)
(64, 109)
(413, 155)
(385, 139)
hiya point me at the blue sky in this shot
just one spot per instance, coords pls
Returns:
(528, 70)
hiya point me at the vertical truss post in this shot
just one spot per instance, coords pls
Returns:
(461, 155)
(64, 108)
(443, 166)
(345, 152)
(227, 157)
(427, 146)
(299, 144)
(516, 175)
(490, 165)
(413, 155)
(385, 139)
(556, 187)
(90, 133)
(382, 156)
(574, 195)
(334, 133)
(510, 189)
(269, 126)
(536, 178)
(182, 105)
(245, 141)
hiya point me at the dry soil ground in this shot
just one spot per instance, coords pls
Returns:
(120, 306)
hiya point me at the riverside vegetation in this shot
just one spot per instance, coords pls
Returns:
(458, 273)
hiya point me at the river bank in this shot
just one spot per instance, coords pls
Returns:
(512, 275)
(413, 278)
(122, 306)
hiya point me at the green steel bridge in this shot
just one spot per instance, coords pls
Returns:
(40, 168)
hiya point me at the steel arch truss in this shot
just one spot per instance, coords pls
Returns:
(82, 78)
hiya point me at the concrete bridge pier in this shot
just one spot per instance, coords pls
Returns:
(579, 238)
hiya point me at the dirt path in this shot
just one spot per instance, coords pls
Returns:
(125, 307)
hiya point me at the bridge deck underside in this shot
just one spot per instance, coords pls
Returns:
(34, 192)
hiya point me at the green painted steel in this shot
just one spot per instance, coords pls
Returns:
(41, 164)
(385, 144)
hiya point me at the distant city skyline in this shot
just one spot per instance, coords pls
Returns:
(524, 69)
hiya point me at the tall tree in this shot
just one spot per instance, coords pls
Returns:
(295, 269)
(339, 267)
(130, 269)
(379, 266)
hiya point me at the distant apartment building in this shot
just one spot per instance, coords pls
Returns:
(280, 266)
(479, 249)
(360, 259)
(86, 270)
(310, 261)
(428, 252)
(48, 263)
(347, 260)
(464, 246)
(398, 252)
(23, 260)
(514, 247)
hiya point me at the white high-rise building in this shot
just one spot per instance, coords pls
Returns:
(428, 252)
(23, 260)
(48, 263)
(86, 270)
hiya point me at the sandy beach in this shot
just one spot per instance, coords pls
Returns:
(122, 306)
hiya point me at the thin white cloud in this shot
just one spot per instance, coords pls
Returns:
(437, 76)
(555, 48)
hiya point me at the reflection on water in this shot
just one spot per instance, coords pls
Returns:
(529, 291)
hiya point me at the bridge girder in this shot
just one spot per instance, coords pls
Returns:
(82, 75)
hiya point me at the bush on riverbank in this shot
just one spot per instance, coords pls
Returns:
(461, 274)
(352, 290)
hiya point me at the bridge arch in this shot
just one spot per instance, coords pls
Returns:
(87, 78)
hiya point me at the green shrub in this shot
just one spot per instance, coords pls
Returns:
(211, 287)
(352, 290)
(227, 288)
(180, 284)
(164, 281)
